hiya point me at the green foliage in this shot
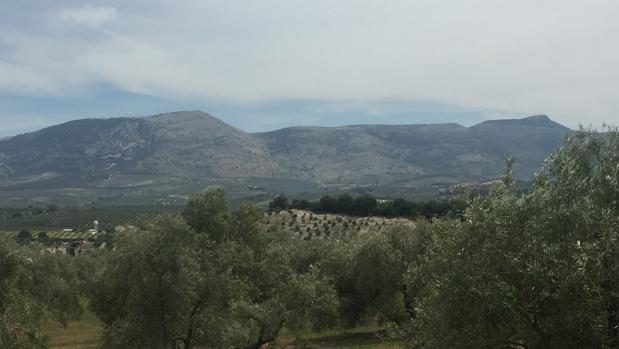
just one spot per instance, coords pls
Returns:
(162, 286)
(279, 203)
(368, 270)
(538, 270)
(34, 288)
(24, 236)
(207, 213)
(215, 278)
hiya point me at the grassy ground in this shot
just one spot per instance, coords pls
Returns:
(386, 345)
(349, 340)
(84, 334)
(367, 337)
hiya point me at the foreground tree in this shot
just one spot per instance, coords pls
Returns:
(34, 288)
(581, 187)
(530, 271)
(213, 279)
(165, 286)
(277, 295)
(368, 271)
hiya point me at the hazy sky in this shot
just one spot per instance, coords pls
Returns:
(266, 64)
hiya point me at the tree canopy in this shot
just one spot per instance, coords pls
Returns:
(534, 270)
(34, 288)
(215, 278)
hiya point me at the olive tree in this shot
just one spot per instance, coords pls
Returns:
(277, 295)
(368, 270)
(165, 286)
(34, 288)
(213, 278)
(535, 270)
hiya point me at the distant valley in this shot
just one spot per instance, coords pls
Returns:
(161, 159)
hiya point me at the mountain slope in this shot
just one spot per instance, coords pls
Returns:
(185, 144)
(528, 141)
(366, 154)
(386, 153)
(195, 144)
(103, 153)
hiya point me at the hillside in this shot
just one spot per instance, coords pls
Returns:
(385, 154)
(185, 144)
(172, 154)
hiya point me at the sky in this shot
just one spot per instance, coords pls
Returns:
(262, 65)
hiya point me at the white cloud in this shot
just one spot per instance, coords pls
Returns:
(88, 15)
(135, 66)
(16, 79)
(555, 56)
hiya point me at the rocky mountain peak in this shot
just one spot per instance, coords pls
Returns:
(534, 121)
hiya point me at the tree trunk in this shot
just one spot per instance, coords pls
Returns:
(256, 345)
(162, 312)
(612, 305)
(409, 305)
(612, 312)
(189, 338)
(545, 341)
(265, 338)
(612, 317)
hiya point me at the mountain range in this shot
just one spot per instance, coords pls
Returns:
(168, 152)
